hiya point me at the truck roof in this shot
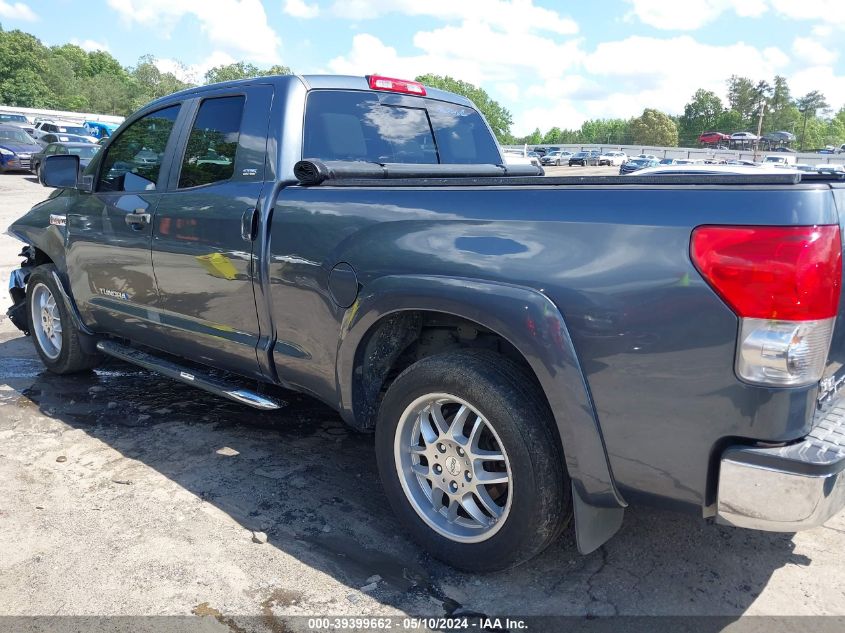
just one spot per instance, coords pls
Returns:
(312, 82)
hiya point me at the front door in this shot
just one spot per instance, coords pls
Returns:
(202, 247)
(109, 230)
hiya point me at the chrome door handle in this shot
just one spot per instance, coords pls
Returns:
(138, 218)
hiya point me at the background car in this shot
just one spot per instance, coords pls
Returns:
(830, 169)
(712, 138)
(13, 118)
(46, 139)
(612, 158)
(16, 149)
(636, 164)
(669, 161)
(61, 127)
(688, 161)
(556, 158)
(86, 151)
(100, 129)
(584, 158)
(703, 170)
(511, 156)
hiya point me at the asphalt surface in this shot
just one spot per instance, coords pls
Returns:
(123, 493)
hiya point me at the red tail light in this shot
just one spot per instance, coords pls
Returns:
(377, 82)
(790, 273)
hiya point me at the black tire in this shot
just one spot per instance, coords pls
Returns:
(71, 357)
(511, 401)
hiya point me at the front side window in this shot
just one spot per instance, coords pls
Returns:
(133, 160)
(213, 142)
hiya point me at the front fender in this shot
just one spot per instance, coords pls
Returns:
(532, 324)
(43, 227)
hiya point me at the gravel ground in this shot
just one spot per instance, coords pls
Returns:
(123, 493)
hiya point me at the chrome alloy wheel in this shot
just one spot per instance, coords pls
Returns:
(453, 468)
(46, 321)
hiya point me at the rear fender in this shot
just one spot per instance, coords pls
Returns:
(532, 324)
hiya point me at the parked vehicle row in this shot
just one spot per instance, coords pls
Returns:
(21, 152)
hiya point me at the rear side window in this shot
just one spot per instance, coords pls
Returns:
(133, 160)
(352, 125)
(213, 143)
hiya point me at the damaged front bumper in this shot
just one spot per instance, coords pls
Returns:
(17, 291)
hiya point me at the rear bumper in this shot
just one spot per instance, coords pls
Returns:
(788, 488)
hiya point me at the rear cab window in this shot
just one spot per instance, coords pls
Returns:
(353, 125)
(213, 142)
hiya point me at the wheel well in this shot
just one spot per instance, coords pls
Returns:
(39, 257)
(400, 339)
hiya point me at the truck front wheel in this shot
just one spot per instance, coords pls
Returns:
(53, 332)
(470, 460)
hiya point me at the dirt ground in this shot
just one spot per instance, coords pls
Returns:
(123, 493)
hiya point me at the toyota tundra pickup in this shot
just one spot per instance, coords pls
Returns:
(526, 349)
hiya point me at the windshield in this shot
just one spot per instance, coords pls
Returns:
(82, 151)
(352, 125)
(17, 136)
(639, 161)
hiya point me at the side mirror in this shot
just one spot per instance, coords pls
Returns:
(60, 170)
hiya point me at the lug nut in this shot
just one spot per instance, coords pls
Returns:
(438, 469)
(453, 486)
(468, 476)
(441, 447)
(460, 451)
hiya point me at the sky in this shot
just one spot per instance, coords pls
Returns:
(550, 63)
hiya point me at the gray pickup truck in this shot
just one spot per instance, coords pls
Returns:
(525, 349)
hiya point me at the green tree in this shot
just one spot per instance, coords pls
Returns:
(63, 85)
(535, 138)
(76, 58)
(604, 131)
(498, 117)
(103, 63)
(151, 82)
(112, 94)
(242, 70)
(808, 106)
(780, 114)
(701, 114)
(552, 136)
(653, 127)
(745, 98)
(23, 63)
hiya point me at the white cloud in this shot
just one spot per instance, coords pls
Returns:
(828, 12)
(814, 52)
(505, 15)
(238, 27)
(90, 45)
(689, 15)
(300, 9)
(194, 73)
(821, 78)
(17, 11)
(472, 51)
(613, 81)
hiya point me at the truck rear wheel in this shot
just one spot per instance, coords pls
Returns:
(470, 460)
(54, 334)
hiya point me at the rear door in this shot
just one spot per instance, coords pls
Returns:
(109, 230)
(202, 249)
